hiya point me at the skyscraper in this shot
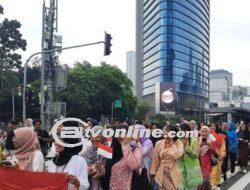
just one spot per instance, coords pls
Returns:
(172, 53)
(131, 67)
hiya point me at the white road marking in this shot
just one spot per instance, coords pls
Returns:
(241, 183)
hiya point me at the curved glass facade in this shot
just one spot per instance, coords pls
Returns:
(176, 46)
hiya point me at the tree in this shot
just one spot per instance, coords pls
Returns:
(10, 42)
(141, 110)
(92, 89)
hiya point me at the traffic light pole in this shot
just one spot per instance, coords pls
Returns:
(43, 52)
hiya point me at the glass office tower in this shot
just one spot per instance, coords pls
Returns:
(174, 36)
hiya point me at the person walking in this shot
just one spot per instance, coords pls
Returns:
(165, 158)
(121, 171)
(207, 152)
(232, 145)
(215, 176)
(141, 179)
(224, 167)
(191, 175)
(243, 136)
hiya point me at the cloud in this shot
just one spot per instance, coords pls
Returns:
(230, 38)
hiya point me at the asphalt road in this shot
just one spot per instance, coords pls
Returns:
(239, 181)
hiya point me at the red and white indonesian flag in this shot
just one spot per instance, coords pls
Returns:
(13, 179)
(104, 150)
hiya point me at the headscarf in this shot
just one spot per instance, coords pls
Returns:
(232, 138)
(27, 143)
(64, 157)
(145, 141)
(205, 148)
(91, 152)
(92, 121)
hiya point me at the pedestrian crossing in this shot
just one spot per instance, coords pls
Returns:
(237, 181)
(242, 183)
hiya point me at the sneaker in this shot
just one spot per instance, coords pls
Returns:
(244, 171)
(232, 174)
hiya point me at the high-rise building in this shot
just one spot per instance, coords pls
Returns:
(221, 86)
(172, 53)
(131, 68)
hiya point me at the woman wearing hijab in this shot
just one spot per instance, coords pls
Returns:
(191, 176)
(95, 162)
(215, 176)
(146, 148)
(243, 139)
(117, 156)
(232, 145)
(164, 165)
(141, 178)
(207, 150)
(27, 156)
(68, 161)
(121, 171)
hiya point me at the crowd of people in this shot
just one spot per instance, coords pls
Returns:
(138, 163)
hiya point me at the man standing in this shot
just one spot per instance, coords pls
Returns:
(43, 137)
(9, 146)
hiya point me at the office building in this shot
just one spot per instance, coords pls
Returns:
(220, 88)
(172, 54)
(131, 68)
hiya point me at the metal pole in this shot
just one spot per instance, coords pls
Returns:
(43, 52)
(42, 74)
(13, 103)
(112, 112)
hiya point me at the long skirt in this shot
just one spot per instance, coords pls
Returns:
(243, 154)
(168, 183)
(215, 175)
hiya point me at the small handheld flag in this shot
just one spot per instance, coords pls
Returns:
(104, 150)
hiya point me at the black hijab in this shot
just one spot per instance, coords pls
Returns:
(117, 156)
(65, 156)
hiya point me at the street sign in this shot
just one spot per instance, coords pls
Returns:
(118, 103)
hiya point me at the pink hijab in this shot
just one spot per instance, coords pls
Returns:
(27, 142)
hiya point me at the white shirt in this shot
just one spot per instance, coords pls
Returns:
(77, 166)
(37, 163)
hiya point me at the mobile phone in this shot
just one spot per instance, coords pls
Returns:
(6, 163)
(204, 140)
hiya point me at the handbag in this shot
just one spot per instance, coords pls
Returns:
(214, 161)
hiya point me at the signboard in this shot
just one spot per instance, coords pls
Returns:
(167, 97)
(118, 103)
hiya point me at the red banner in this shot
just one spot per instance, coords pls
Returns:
(12, 179)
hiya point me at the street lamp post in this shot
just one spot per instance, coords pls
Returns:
(43, 52)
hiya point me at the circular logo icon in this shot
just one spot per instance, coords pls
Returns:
(167, 97)
(76, 133)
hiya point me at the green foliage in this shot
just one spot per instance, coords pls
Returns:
(11, 41)
(141, 110)
(10, 61)
(92, 89)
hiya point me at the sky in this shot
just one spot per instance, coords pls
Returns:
(84, 21)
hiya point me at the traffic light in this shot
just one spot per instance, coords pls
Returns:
(107, 44)
(1, 9)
